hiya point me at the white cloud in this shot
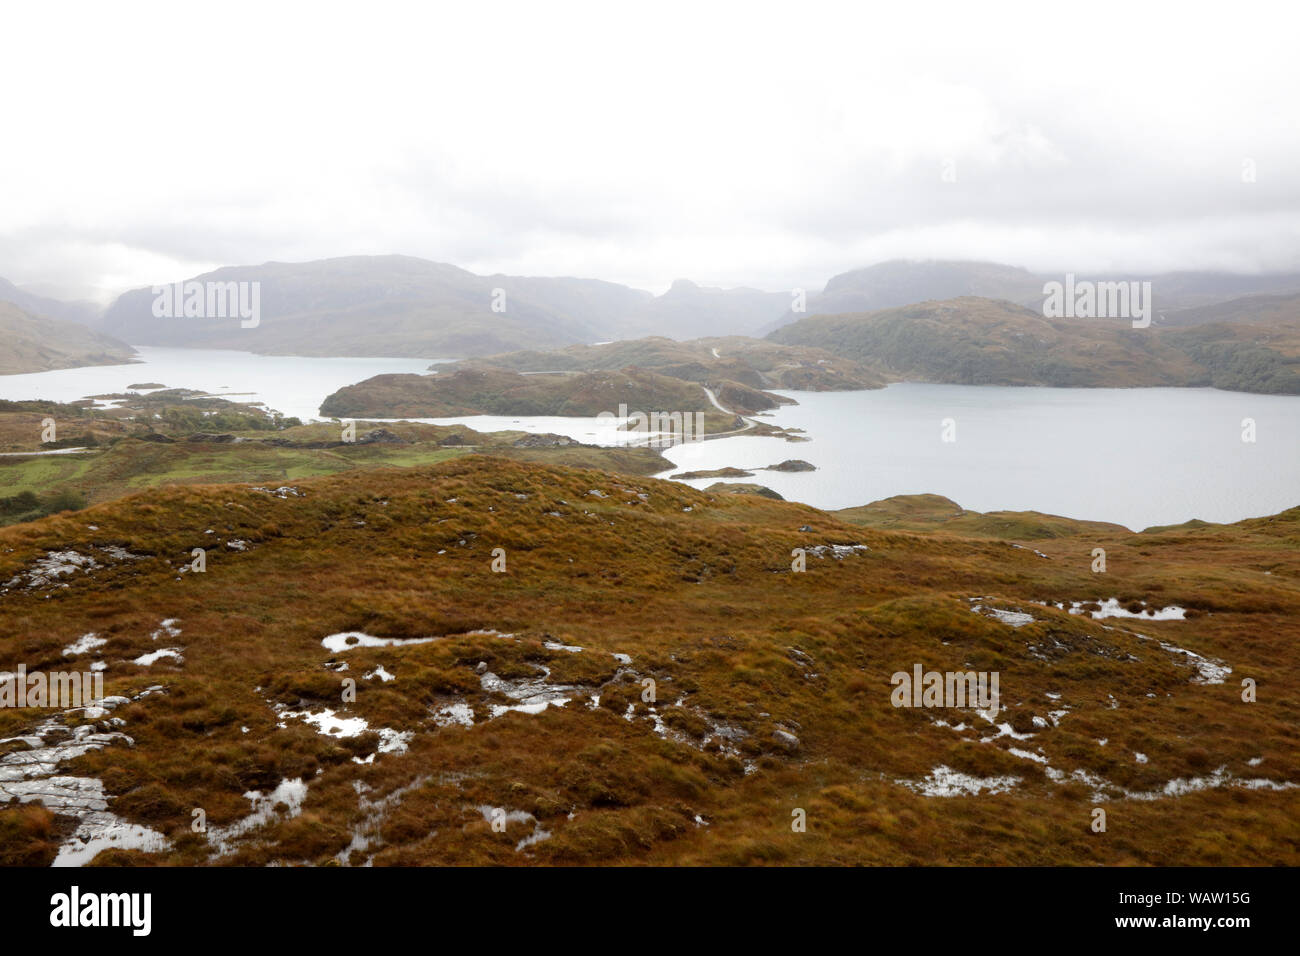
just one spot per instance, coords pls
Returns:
(767, 145)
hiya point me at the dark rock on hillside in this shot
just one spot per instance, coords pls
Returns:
(381, 436)
(546, 441)
(743, 488)
(716, 473)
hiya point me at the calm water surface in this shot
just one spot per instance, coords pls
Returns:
(290, 384)
(1136, 457)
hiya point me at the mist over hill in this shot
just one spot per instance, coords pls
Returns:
(401, 306)
(83, 312)
(688, 310)
(976, 341)
(1251, 308)
(33, 343)
(899, 282)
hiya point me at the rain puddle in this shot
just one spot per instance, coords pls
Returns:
(556, 646)
(531, 694)
(99, 831)
(1112, 608)
(290, 794)
(153, 657)
(84, 644)
(366, 833)
(943, 781)
(1103, 789)
(1207, 671)
(725, 735)
(31, 776)
(459, 714)
(501, 815)
(347, 640)
(168, 628)
(328, 723)
(1012, 618)
(55, 565)
(284, 491)
(837, 551)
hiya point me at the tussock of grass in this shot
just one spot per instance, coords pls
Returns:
(705, 605)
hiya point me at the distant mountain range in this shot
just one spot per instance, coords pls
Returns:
(888, 285)
(405, 306)
(687, 311)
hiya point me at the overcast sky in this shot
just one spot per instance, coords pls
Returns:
(770, 146)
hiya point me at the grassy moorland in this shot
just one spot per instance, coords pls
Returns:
(178, 437)
(122, 456)
(937, 513)
(771, 687)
